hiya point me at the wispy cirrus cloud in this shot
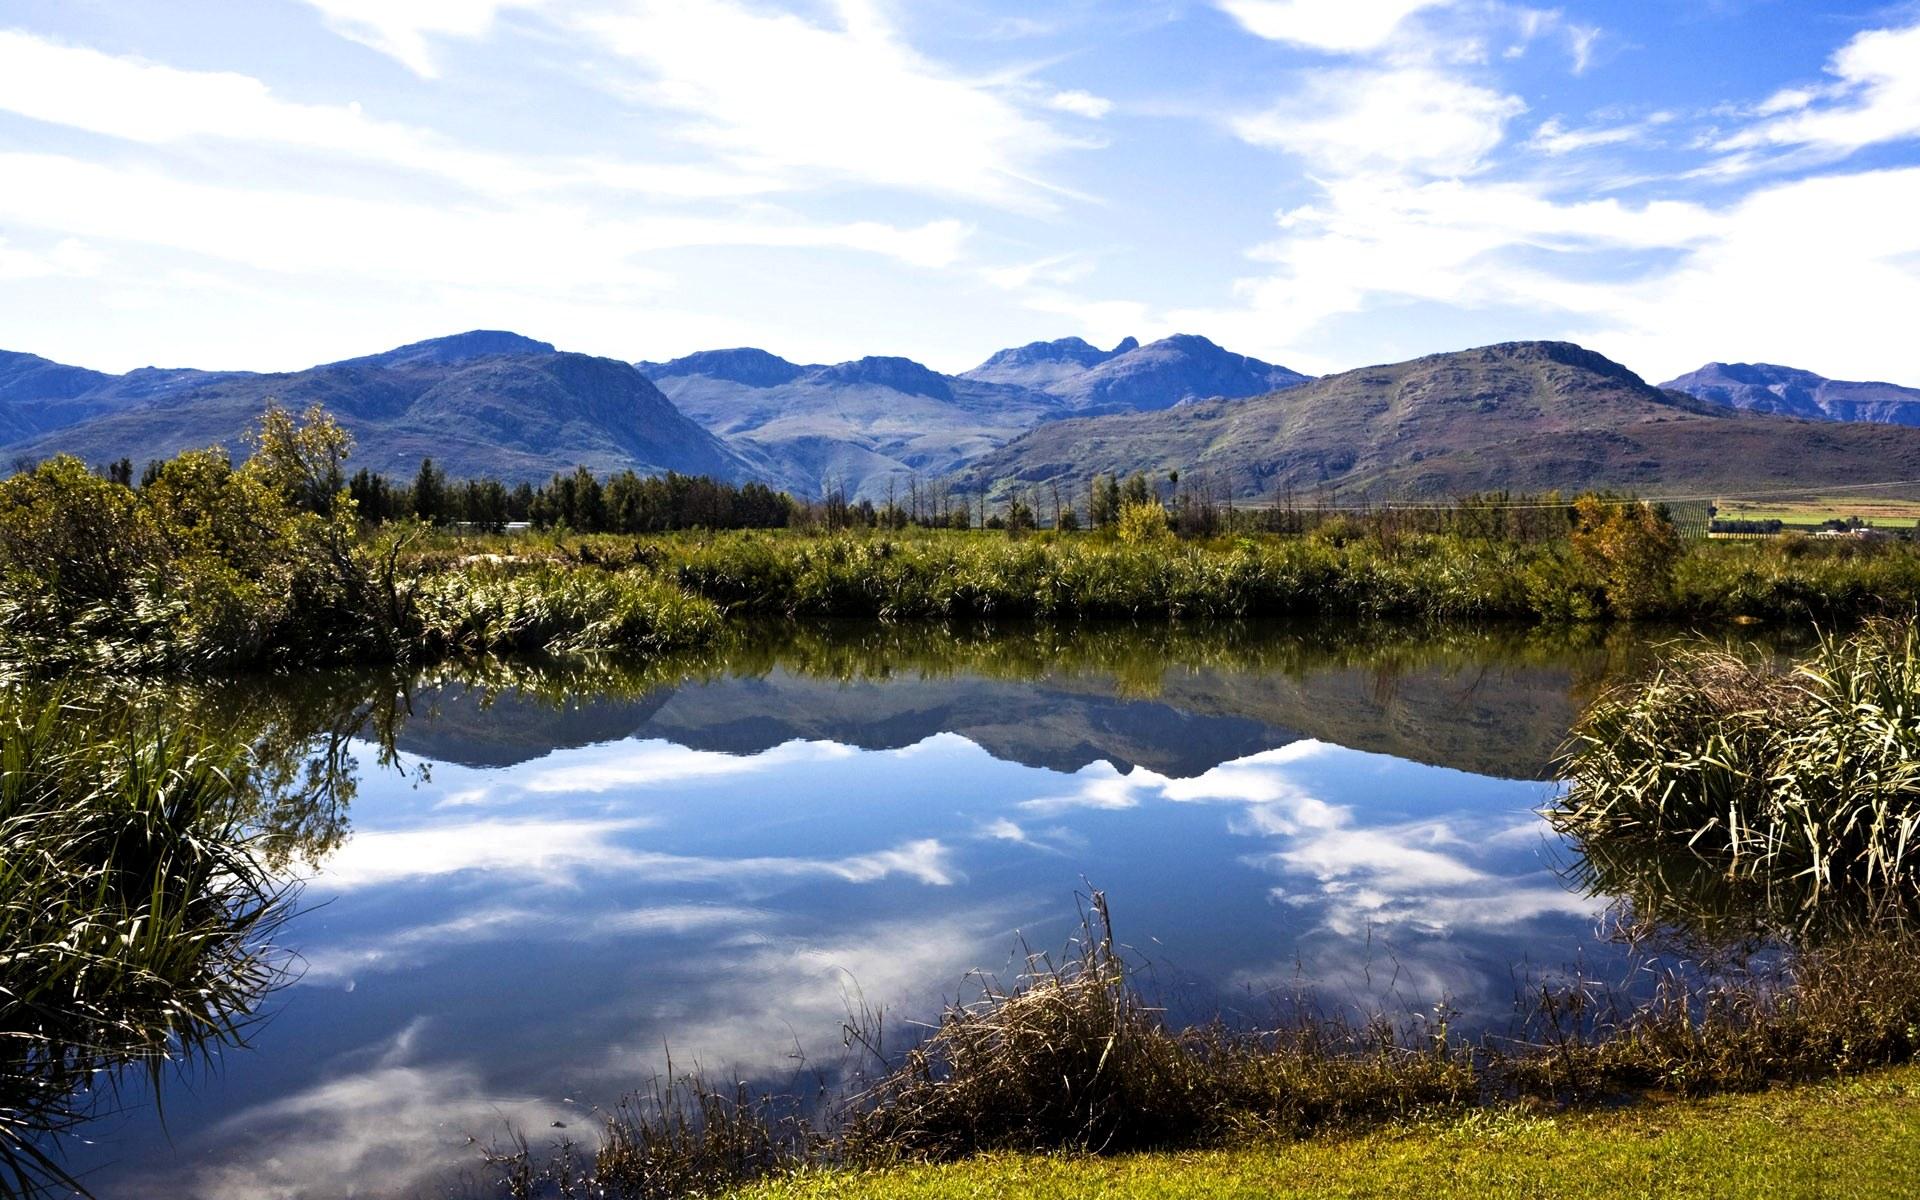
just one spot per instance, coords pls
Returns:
(1331, 25)
(846, 100)
(407, 30)
(1873, 98)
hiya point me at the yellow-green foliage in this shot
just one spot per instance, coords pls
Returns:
(1144, 524)
(206, 564)
(1631, 548)
(554, 610)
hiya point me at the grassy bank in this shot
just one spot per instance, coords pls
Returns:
(1815, 1140)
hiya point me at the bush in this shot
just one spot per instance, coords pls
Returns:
(1143, 524)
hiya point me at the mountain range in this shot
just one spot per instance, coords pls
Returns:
(872, 424)
(479, 403)
(1762, 387)
(1523, 416)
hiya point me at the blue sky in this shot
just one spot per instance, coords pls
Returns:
(1323, 183)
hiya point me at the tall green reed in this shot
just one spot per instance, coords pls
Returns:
(134, 915)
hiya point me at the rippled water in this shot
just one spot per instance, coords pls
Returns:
(525, 892)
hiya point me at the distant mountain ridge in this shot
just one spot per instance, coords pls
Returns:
(482, 403)
(1525, 416)
(871, 425)
(1764, 387)
(1041, 364)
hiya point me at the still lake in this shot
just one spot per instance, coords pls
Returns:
(523, 891)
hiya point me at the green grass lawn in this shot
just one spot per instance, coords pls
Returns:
(1853, 1139)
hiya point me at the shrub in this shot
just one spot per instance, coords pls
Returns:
(1631, 547)
(1144, 523)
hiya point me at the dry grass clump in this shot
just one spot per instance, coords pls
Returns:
(684, 1137)
(1073, 1057)
(1778, 1018)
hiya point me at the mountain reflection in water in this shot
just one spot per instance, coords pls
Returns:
(525, 884)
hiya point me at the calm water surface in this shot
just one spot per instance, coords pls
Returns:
(522, 896)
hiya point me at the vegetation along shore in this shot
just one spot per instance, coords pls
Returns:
(201, 564)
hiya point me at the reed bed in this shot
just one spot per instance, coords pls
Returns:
(1800, 783)
(134, 912)
(1073, 1057)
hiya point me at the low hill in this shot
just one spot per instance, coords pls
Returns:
(1763, 387)
(1525, 416)
(481, 403)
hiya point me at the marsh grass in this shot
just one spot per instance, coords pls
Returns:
(1802, 785)
(134, 912)
(1071, 1056)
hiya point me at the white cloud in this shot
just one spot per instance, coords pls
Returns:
(1659, 285)
(526, 246)
(1553, 137)
(557, 851)
(1875, 99)
(151, 103)
(651, 763)
(398, 1122)
(546, 849)
(68, 258)
(1409, 119)
(405, 29)
(770, 91)
(1081, 104)
(1331, 25)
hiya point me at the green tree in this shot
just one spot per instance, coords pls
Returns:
(430, 493)
(1103, 505)
(304, 460)
(1631, 547)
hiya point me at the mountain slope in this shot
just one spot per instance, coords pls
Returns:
(1042, 365)
(482, 403)
(1527, 416)
(874, 423)
(863, 425)
(1763, 387)
(1174, 370)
